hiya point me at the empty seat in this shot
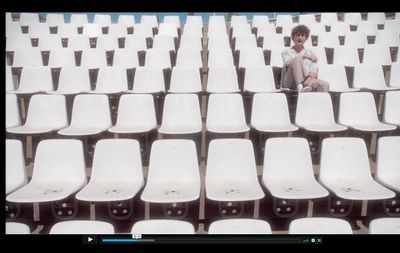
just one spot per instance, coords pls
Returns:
(193, 30)
(219, 41)
(94, 58)
(378, 17)
(307, 19)
(79, 19)
(251, 57)
(266, 31)
(90, 115)
(107, 42)
(335, 75)
(388, 160)
(16, 175)
(148, 80)
(216, 20)
(387, 38)
(116, 171)
(79, 42)
(259, 21)
(356, 39)
(159, 58)
(290, 178)
(13, 117)
(119, 30)
(37, 30)
(50, 42)
(259, 79)
(111, 80)
(346, 56)
(340, 28)
(46, 113)
(239, 226)
(136, 114)
(314, 112)
(189, 58)
(241, 29)
(222, 80)
(319, 225)
(385, 226)
(283, 19)
(352, 18)
(162, 227)
(17, 228)
(58, 172)
(173, 173)
(270, 113)
(143, 30)
(16, 42)
(172, 19)
(273, 41)
(394, 80)
(358, 111)
(238, 19)
(377, 54)
(225, 114)
(28, 18)
(150, 20)
(126, 58)
(327, 18)
(185, 80)
(54, 19)
(247, 41)
(181, 114)
(13, 28)
(166, 42)
(231, 171)
(34, 80)
(368, 27)
(73, 80)
(276, 57)
(67, 30)
(169, 29)
(82, 227)
(220, 58)
(391, 113)
(9, 79)
(345, 170)
(194, 20)
(103, 19)
(136, 42)
(329, 40)
(370, 76)
(126, 19)
(27, 58)
(189, 41)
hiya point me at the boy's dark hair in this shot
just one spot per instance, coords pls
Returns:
(300, 29)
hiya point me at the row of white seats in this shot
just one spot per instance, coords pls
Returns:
(182, 115)
(357, 39)
(231, 175)
(281, 19)
(93, 30)
(114, 79)
(218, 57)
(318, 225)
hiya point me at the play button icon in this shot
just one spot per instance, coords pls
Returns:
(90, 239)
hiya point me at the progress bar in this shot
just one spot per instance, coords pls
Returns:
(125, 240)
(222, 239)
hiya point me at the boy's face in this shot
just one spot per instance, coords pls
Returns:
(299, 39)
